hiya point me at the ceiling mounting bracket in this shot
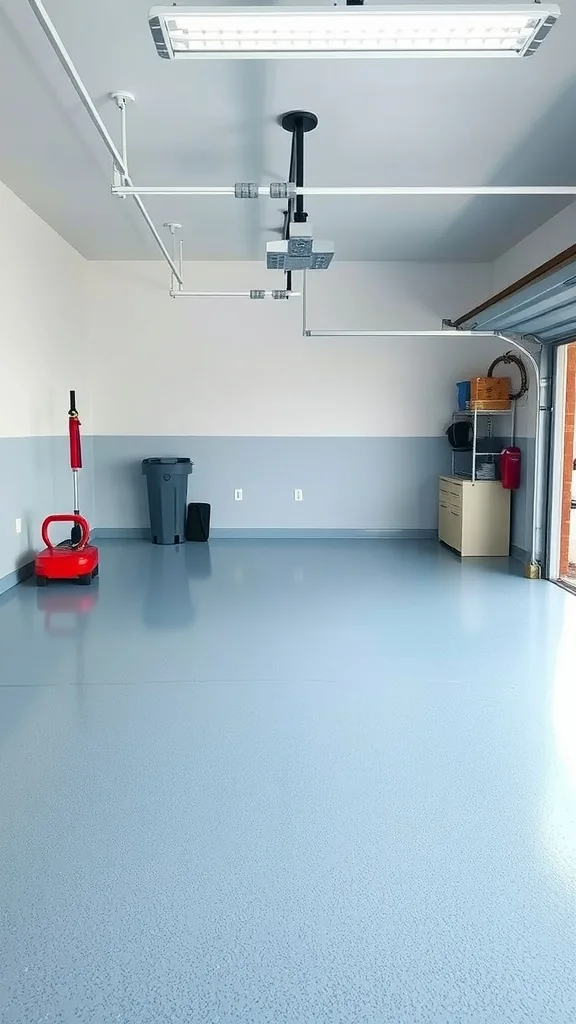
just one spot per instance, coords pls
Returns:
(294, 119)
(298, 123)
(177, 255)
(121, 98)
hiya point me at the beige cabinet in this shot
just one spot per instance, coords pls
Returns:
(474, 518)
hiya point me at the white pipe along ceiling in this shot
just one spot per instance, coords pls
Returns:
(344, 190)
(499, 320)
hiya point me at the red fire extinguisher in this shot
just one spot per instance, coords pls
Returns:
(510, 463)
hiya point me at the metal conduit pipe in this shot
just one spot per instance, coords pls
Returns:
(422, 333)
(255, 293)
(84, 96)
(290, 210)
(351, 190)
(541, 430)
(299, 216)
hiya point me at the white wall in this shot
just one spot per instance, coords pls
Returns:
(554, 236)
(231, 367)
(43, 353)
(43, 344)
(357, 423)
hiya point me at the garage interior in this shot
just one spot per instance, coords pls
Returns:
(319, 766)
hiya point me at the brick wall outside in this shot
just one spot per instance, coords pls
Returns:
(566, 569)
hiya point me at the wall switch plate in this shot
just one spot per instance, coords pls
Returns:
(238, 495)
(298, 495)
(18, 525)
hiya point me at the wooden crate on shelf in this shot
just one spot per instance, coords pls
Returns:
(481, 405)
(490, 393)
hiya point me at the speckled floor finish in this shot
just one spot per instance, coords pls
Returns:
(288, 783)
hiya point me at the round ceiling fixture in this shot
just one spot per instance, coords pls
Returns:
(298, 118)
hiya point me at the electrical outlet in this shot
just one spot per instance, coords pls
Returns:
(18, 525)
(298, 495)
(238, 495)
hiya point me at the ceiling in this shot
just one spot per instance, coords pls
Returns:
(412, 122)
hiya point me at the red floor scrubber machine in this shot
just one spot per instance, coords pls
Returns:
(73, 559)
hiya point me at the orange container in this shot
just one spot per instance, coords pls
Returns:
(491, 390)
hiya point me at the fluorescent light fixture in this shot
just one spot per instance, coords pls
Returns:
(458, 30)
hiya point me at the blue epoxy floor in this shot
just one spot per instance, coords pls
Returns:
(288, 783)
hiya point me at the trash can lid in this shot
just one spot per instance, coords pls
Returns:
(184, 465)
(164, 461)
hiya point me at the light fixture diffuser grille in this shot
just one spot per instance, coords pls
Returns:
(300, 246)
(279, 256)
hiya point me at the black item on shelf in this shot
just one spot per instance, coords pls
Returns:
(198, 521)
(461, 435)
(492, 445)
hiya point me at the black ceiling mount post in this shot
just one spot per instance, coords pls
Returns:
(290, 211)
(300, 217)
(297, 122)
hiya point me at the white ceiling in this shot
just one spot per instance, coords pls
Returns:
(380, 122)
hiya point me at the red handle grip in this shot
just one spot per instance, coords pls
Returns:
(69, 518)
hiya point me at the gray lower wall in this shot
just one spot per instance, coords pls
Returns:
(388, 485)
(349, 483)
(35, 482)
(382, 484)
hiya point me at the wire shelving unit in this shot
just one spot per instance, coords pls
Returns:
(484, 418)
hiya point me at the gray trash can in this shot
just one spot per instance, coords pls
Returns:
(167, 481)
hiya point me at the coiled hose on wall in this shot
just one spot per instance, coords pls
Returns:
(511, 357)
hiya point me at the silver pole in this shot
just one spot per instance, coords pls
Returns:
(121, 99)
(173, 227)
(179, 190)
(474, 445)
(439, 190)
(353, 190)
(542, 408)
(66, 62)
(161, 245)
(75, 485)
(210, 295)
(124, 135)
(422, 333)
(226, 295)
